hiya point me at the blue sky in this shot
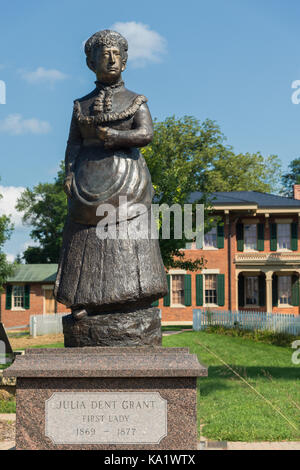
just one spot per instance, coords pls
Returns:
(232, 61)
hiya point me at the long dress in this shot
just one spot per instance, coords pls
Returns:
(97, 274)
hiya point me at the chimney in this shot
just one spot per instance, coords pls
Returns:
(297, 191)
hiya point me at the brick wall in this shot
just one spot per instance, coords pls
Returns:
(214, 259)
(21, 317)
(218, 259)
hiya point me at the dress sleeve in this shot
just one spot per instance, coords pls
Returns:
(139, 136)
(73, 144)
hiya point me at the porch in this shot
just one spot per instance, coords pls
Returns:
(268, 290)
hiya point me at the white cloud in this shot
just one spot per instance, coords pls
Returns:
(28, 244)
(144, 44)
(8, 203)
(10, 257)
(19, 250)
(42, 75)
(15, 124)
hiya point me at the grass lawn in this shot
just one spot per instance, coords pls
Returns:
(8, 406)
(53, 345)
(176, 328)
(227, 407)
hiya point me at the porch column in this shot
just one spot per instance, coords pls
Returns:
(298, 272)
(236, 303)
(269, 300)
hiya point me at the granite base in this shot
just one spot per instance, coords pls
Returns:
(167, 376)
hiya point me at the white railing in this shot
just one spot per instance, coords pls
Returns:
(49, 324)
(267, 257)
(247, 320)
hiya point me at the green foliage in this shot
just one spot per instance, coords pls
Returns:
(292, 177)
(181, 152)
(260, 336)
(8, 406)
(245, 172)
(45, 208)
(18, 259)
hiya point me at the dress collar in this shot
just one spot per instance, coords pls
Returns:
(105, 87)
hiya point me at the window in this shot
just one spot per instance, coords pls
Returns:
(210, 238)
(177, 289)
(284, 290)
(251, 291)
(250, 235)
(283, 236)
(210, 241)
(210, 288)
(18, 297)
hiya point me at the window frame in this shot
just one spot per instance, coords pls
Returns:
(289, 304)
(246, 277)
(173, 304)
(206, 304)
(193, 244)
(289, 238)
(208, 247)
(256, 239)
(13, 296)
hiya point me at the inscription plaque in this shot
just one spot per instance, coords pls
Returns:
(106, 418)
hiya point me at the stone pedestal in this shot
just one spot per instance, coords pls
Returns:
(139, 327)
(140, 398)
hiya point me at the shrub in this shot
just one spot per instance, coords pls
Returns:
(260, 336)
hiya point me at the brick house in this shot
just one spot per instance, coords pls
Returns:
(252, 259)
(252, 263)
(29, 292)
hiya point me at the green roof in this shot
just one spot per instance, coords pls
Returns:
(34, 273)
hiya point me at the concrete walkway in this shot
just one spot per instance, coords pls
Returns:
(211, 445)
(7, 444)
(263, 445)
(7, 417)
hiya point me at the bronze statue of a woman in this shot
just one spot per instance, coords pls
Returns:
(103, 163)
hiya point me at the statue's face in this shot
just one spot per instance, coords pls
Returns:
(108, 64)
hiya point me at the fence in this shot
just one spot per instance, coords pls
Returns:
(46, 324)
(247, 320)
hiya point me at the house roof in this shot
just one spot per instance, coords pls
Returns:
(261, 200)
(34, 273)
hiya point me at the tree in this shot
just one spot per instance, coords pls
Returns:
(6, 268)
(292, 177)
(245, 172)
(45, 208)
(18, 259)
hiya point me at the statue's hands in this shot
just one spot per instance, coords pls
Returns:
(103, 133)
(68, 184)
(107, 136)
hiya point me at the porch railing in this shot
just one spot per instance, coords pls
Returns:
(247, 320)
(267, 257)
